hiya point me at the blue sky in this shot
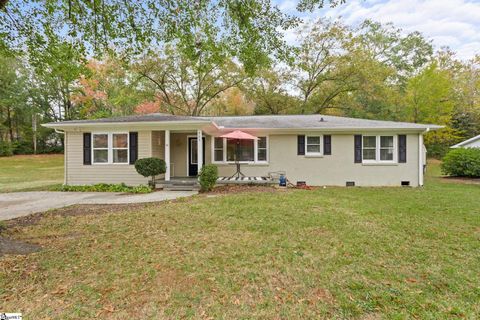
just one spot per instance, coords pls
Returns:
(452, 23)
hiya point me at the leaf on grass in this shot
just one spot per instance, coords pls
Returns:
(109, 308)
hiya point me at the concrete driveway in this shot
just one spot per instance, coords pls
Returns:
(18, 204)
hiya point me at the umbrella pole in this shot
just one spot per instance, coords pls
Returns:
(237, 173)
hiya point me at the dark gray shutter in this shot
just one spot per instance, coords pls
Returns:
(301, 145)
(402, 148)
(87, 148)
(327, 144)
(133, 147)
(358, 148)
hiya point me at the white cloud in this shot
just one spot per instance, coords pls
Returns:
(453, 23)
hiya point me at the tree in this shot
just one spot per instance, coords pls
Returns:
(13, 98)
(466, 79)
(250, 31)
(150, 167)
(188, 85)
(323, 68)
(428, 96)
(108, 88)
(147, 107)
(406, 54)
(57, 66)
(269, 90)
(231, 102)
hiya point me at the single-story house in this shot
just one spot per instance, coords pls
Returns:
(317, 149)
(469, 143)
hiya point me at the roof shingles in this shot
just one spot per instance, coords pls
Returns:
(314, 121)
(310, 121)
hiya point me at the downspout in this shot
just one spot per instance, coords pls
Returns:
(64, 155)
(420, 157)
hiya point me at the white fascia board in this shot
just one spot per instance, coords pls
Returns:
(151, 125)
(322, 130)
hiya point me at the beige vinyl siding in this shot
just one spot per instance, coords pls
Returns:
(80, 174)
(334, 169)
(158, 144)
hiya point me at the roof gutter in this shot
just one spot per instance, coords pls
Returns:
(106, 124)
(337, 129)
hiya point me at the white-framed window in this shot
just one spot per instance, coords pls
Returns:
(218, 148)
(387, 148)
(240, 150)
(100, 147)
(120, 147)
(379, 148)
(110, 148)
(250, 151)
(369, 148)
(313, 145)
(262, 147)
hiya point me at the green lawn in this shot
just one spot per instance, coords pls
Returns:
(366, 253)
(21, 173)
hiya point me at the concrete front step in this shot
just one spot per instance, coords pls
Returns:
(179, 185)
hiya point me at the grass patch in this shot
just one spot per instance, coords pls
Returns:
(31, 172)
(105, 187)
(364, 253)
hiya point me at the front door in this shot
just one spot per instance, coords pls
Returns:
(193, 156)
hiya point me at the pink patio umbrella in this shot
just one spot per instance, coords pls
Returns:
(238, 135)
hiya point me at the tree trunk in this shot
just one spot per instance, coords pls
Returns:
(34, 130)
(9, 123)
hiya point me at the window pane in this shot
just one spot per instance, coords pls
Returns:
(262, 142)
(100, 156)
(246, 150)
(369, 154)
(100, 140)
(386, 154)
(242, 150)
(120, 155)
(218, 155)
(313, 148)
(120, 140)
(386, 142)
(193, 151)
(218, 142)
(231, 150)
(369, 141)
(313, 140)
(262, 155)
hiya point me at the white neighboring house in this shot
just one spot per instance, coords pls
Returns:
(470, 143)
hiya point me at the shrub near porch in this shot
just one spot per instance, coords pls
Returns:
(328, 253)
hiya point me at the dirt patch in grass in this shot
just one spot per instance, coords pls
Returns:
(8, 246)
(75, 210)
(463, 180)
(11, 246)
